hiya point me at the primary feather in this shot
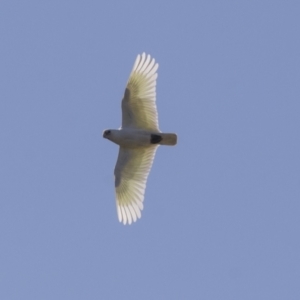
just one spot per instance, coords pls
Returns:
(138, 105)
(131, 173)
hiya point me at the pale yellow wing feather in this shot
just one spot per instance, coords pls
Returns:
(131, 173)
(139, 101)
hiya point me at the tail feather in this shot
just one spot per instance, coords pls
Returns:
(169, 139)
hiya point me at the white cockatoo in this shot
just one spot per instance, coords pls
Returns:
(138, 138)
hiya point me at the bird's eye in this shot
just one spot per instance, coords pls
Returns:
(107, 132)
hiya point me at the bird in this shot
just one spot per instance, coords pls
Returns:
(138, 138)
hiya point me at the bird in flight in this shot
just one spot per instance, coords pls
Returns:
(138, 138)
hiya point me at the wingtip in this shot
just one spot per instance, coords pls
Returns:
(145, 63)
(129, 214)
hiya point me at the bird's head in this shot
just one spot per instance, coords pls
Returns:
(107, 133)
(112, 135)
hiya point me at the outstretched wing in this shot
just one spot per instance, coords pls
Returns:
(138, 105)
(131, 173)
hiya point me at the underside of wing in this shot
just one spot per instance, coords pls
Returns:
(138, 105)
(131, 173)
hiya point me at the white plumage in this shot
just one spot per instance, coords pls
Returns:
(138, 105)
(138, 139)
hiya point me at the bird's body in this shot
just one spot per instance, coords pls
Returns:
(135, 138)
(138, 138)
(130, 137)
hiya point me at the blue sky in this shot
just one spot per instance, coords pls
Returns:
(221, 217)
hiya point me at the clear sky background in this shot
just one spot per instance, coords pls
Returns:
(221, 217)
